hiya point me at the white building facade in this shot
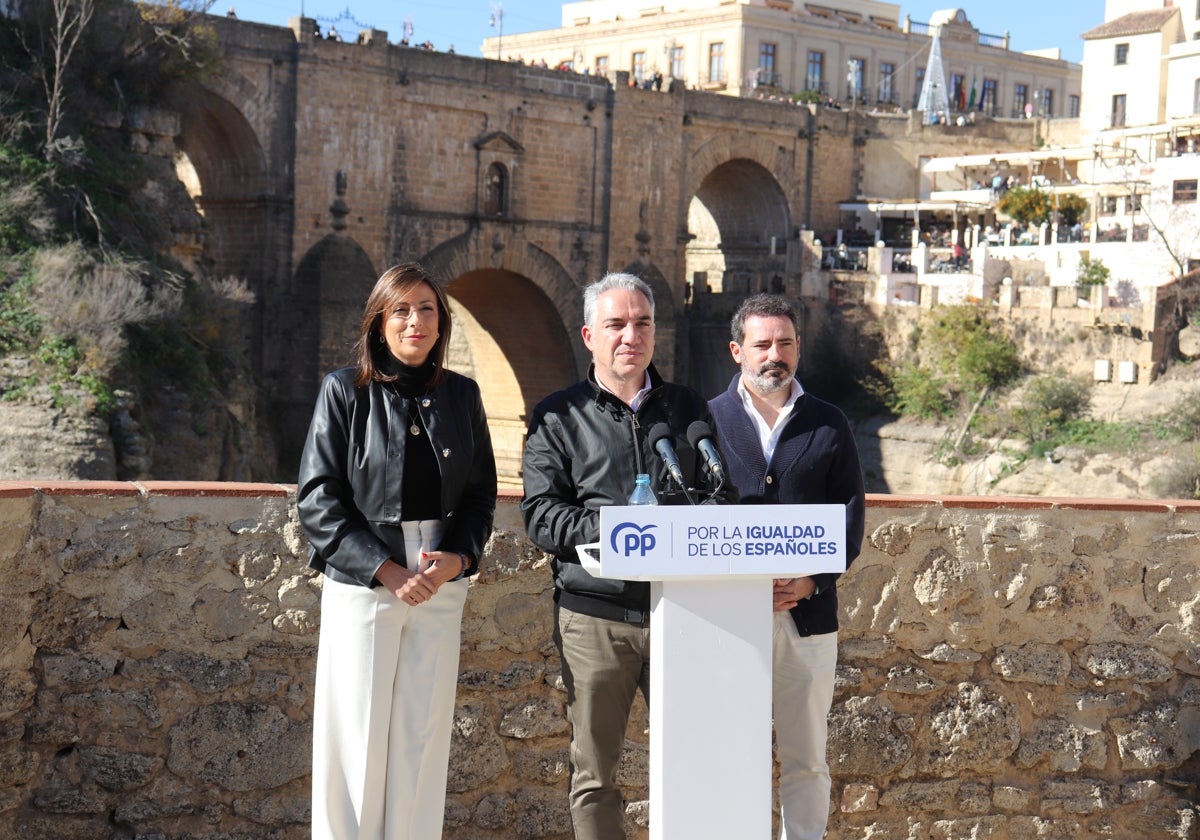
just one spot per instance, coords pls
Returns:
(858, 53)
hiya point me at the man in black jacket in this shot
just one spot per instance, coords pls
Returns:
(585, 447)
(783, 446)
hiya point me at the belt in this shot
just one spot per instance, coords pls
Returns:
(601, 609)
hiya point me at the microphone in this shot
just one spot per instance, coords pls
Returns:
(660, 439)
(699, 435)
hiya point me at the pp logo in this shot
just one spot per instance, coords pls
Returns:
(628, 538)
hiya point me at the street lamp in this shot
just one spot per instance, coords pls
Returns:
(497, 22)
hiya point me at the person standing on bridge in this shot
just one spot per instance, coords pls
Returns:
(585, 447)
(783, 446)
(396, 493)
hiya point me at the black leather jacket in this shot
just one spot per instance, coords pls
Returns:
(584, 449)
(352, 470)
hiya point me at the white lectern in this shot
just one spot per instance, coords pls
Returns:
(711, 569)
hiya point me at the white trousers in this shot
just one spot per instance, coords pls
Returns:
(384, 707)
(802, 689)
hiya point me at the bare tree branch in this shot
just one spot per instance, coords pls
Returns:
(70, 17)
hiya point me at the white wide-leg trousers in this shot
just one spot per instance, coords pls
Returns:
(384, 707)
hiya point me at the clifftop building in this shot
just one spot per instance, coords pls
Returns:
(859, 53)
(1142, 88)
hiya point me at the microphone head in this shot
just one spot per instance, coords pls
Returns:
(697, 431)
(658, 433)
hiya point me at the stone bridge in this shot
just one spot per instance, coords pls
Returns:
(317, 164)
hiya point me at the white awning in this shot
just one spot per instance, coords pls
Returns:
(913, 205)
(1009, 159)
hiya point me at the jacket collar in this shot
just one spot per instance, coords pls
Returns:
(602, 395)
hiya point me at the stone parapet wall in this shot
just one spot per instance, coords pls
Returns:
(1009, 669)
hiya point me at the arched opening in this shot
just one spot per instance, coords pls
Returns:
(222, 165)
(324, 316)
(739, 224)
(509, 338)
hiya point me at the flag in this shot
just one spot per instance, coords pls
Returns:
(962, 98)
(973, 94)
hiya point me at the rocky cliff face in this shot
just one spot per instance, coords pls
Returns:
(55, 434)
(903, 458)
(906, 457)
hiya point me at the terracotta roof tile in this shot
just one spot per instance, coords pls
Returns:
(1134, 23)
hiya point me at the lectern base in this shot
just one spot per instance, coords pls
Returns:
(710, 708)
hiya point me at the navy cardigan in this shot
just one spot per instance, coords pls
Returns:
(815, 462)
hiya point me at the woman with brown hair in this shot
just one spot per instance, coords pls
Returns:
(396, 494)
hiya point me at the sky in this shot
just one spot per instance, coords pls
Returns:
(1033, 24)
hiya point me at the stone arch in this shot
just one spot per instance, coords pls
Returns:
(331, 286)
(517, 316)
(740, 227)
(739, 223)
(231, 182)
(763, 150)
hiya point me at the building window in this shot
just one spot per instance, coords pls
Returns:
(920, 84)
(766, 64)
(856, 68)
(639, 67)
(1133, 204)
(887, 91)
(495, 191)
(1182, 191)
(602, 66)
(1121, 55)
(716, 62)
(1108, 206)
(1073, 105)
(988, 103)
(1196, 94)
(1118, 110)
(1020, 99)
(676, 56)
(814, 79)
(1048, 102)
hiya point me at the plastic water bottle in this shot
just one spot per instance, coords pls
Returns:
(642, 492)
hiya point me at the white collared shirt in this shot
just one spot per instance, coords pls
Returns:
(637, 398)
(768, 436)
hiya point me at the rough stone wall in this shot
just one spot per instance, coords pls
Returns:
(1009, 669)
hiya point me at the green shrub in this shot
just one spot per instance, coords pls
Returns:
(957, 352)
(20, 326)
(1071, 208)
(1182, 420)
(1181, 480)
(966, 346)
(1048, 404)
(917, 392)
(1092, 273)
